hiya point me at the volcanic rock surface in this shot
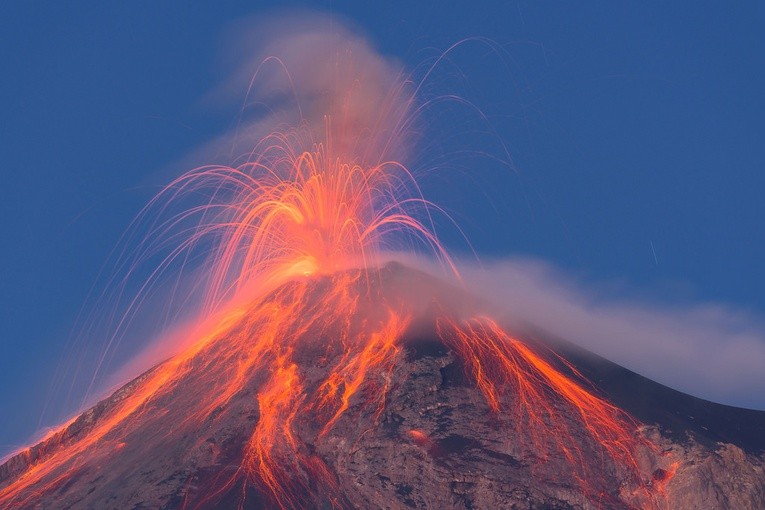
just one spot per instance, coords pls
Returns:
(434, 443)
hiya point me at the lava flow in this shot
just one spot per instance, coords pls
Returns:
(297, 332)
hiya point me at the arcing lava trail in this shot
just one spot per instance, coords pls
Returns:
(303, 358)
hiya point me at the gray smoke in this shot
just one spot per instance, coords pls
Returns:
(709, 350)
(310, 68)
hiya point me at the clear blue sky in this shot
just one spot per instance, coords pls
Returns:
(635, 128)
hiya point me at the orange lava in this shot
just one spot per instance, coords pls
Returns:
(537, 396)
(421, 439)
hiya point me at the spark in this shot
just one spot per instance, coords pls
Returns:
(653, 251)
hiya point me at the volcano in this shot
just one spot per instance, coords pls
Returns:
(387, 388)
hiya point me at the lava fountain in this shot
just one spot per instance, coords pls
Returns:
(298, 326)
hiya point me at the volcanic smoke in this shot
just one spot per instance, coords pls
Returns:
(298, 312)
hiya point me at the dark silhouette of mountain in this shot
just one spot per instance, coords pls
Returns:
(679, 415)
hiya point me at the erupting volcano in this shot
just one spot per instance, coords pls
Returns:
(318, 375)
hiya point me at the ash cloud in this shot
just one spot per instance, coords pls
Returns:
(299, 67)
(709, 350)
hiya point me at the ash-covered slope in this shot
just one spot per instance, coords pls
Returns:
(680, 416)
(219, 430)
(719, 449)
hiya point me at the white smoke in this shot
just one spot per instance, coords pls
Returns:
(312, 68)
(709, 350)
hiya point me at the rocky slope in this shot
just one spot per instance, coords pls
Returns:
(435, 443)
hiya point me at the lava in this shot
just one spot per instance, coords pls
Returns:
(295, 236)
(507, 369)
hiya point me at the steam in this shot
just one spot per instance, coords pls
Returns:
(316, 71)
(709, 350)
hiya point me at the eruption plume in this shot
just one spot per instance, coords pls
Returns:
(299, 319)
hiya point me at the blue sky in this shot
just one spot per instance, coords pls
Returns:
(635, 131)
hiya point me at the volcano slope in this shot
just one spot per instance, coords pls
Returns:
(371, 389)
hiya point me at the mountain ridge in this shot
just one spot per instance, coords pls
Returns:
(435, 441)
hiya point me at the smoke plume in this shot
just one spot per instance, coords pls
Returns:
(710, 350)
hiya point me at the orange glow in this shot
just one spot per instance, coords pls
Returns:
(288, 212)
(663, 476)
(421, 438)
